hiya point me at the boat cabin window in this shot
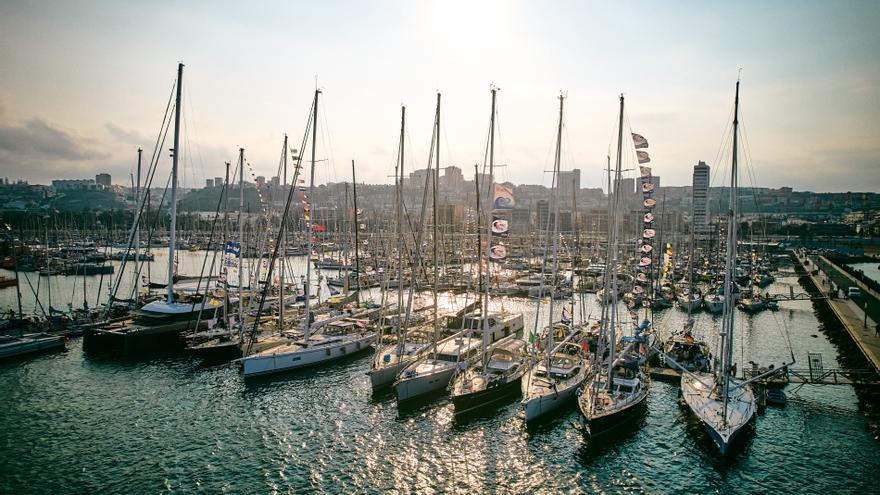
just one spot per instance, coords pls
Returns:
(623, 372)
(565, 373)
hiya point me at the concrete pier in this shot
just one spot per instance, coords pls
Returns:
(861, 328)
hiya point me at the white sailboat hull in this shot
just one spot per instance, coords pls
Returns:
(29, 343)
(301, 357)
(384, 376)
(690, 304)
(424, 383)
(391, 360)
(714, 306)
(699, 392)
(538, 403)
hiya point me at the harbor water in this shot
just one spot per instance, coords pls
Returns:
(871, 270)
(78, 423)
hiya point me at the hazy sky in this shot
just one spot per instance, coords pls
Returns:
(84, 83)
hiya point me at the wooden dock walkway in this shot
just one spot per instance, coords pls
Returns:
(817, 376)
(862, 329)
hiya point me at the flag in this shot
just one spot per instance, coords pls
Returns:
(566, 316)
(320, 228)
(498, 252)
(643, 156)
(500, 226)
(502, 199)
(639, 141)
(645, 171)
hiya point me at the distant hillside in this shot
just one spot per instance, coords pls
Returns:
(206, 199)
(79, 200)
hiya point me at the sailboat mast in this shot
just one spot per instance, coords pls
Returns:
(612, 254)
(434, 194)
(17, 280)
(605, 275)
(309, 223)
(357, 259)
(225, 270)
(400, 156)
(49, 267)
(283, 249)
(554, 196)
(727, 322)
(485, 310)
(691, 255)
(344, 260)
(174, 155)
(241, 241)
(137, 229)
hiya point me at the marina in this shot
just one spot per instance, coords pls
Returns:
(203, 416)
(295, 247)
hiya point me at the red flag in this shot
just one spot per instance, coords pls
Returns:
(320, 228)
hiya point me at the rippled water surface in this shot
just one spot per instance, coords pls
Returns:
(75, 423)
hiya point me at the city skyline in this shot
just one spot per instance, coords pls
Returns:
(89, 84)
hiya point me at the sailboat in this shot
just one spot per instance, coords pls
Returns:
(723, 403)
(409, 344)
(690, 353)
(562, 367)
(226, 341)
(157, 325)
(322, 340)
(619, 384)
(498, 374)
(714, 303)
(432, 370)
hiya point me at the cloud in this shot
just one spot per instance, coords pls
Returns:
(126, 136)
(40, 139)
